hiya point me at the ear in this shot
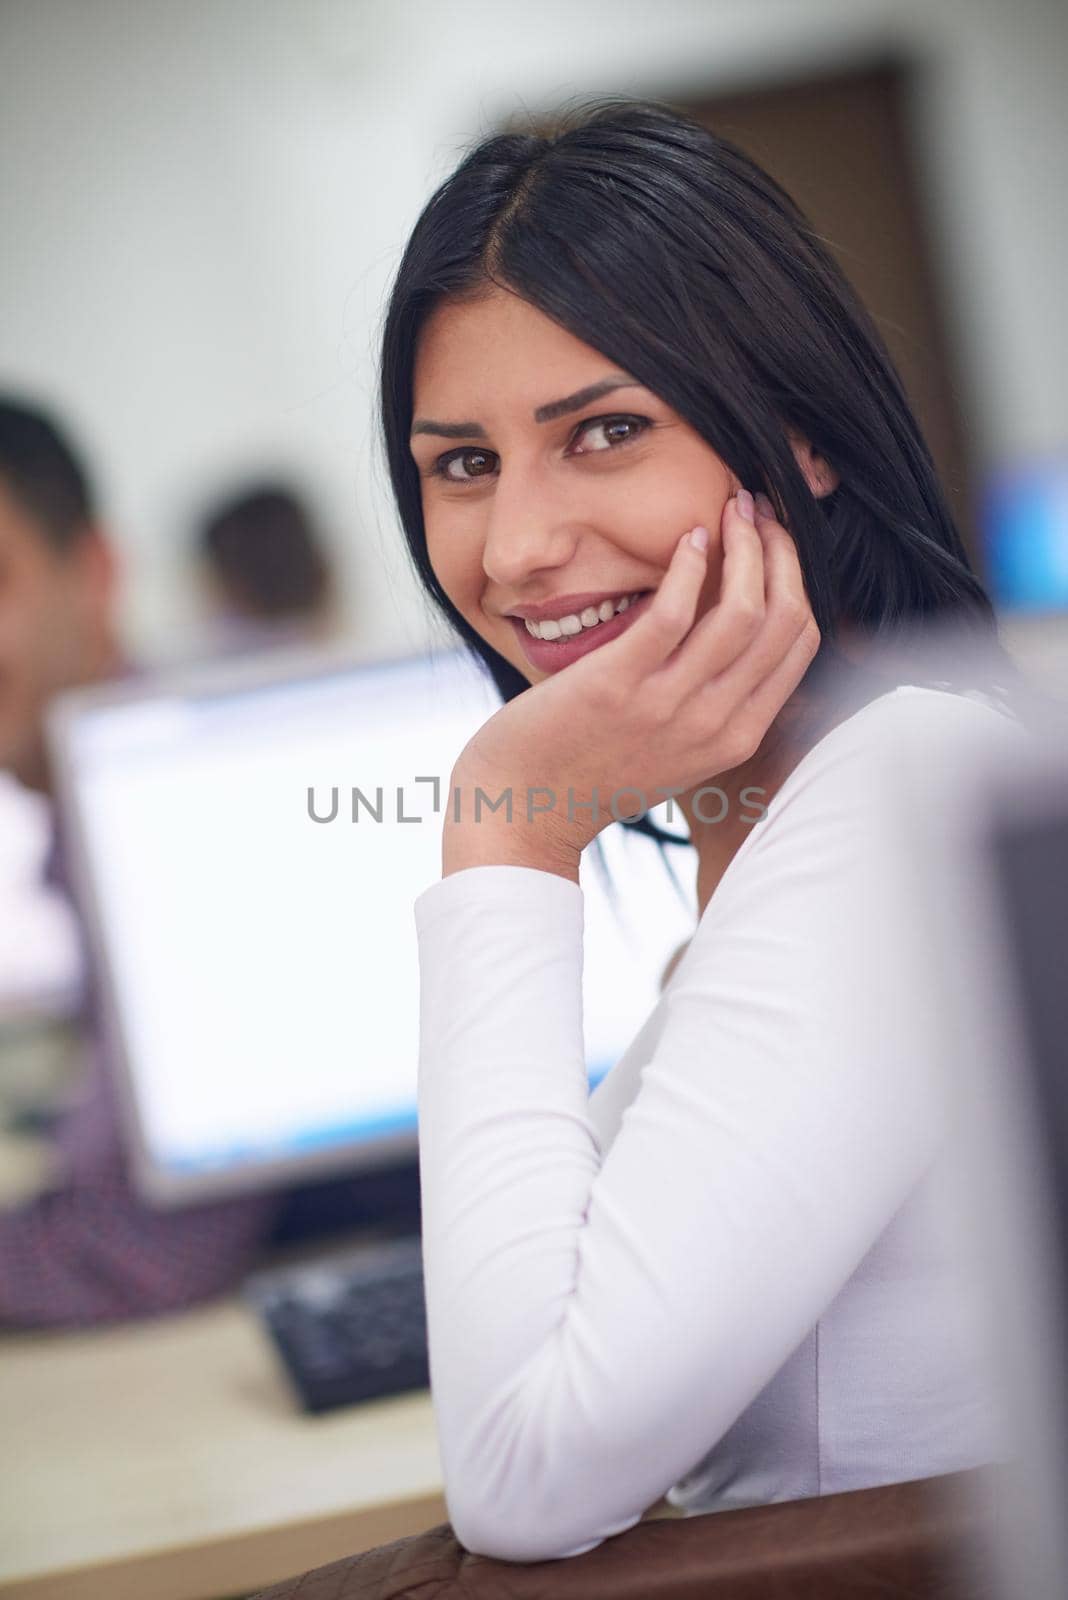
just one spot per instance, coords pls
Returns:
(820, 476)
(98, 571)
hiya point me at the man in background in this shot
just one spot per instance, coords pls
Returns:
(88, 1249)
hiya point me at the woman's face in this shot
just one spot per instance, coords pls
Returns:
(529, 501)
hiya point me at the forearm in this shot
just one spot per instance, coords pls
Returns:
(507, 1157)
(544, 840)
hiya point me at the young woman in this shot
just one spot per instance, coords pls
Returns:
(724, 1275)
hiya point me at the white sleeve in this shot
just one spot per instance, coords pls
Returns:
(601, 1310)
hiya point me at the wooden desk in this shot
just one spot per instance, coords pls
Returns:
(168, 1460)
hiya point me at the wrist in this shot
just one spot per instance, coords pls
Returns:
(480, 844)
(473, 834)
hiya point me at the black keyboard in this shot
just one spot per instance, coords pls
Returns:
(348, 1327)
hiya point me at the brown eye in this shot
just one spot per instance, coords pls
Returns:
(636, 425)
(443, 463)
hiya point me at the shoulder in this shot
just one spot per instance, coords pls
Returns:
(913, 731)
(845, 808)
(907, 721)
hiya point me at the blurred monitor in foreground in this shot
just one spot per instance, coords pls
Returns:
(249, 841)
(1026, 835)
(984, 831)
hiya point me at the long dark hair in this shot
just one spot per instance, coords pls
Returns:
(665, 247)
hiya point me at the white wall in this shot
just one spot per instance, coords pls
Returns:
(202, 204)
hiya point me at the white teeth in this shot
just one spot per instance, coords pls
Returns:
(557, 627)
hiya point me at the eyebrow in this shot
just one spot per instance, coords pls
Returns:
(546, 413)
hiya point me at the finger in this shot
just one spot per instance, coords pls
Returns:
(728, 630)
(785, 592)
(669, 617)
(765, 703)
(788, 614)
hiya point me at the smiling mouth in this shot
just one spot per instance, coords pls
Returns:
(584, 621)
(552, 655)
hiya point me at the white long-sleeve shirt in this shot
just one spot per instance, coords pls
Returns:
(731, 1274)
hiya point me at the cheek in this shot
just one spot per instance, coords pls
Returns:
(649, 519)
(39, 634)
(22, 623)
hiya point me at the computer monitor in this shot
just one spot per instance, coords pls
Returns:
(986, 837)
(1026, 835)
(248, 840)
(1024, 520)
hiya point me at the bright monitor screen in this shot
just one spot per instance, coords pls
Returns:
(249, 843)
(1025, 527)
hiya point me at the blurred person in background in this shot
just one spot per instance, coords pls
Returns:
(266, 576)
(58, 580)
(40, 958)
(87, 1249)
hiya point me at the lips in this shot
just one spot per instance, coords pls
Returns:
(550, 655)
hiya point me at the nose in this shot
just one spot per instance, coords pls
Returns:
(528, 531)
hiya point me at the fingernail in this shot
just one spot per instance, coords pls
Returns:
(764, 506)
(699, 538)
(744, 501)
